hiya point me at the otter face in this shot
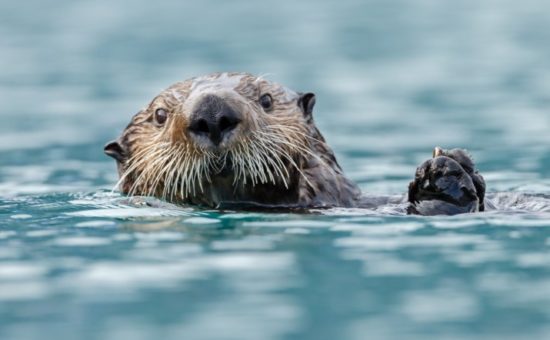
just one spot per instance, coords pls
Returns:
(224, 137)
(447, 184)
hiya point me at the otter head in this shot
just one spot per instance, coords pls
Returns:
(230, 138)
(447, 184)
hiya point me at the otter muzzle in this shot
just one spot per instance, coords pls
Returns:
(213, 120)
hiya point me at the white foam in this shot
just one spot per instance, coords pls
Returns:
(41, 233)
(81, 241)
(249, 243)
(21, 216)
(7, 234)
(379, 229)
(95, 224)
(439, 305)
(534, 260)
(128, 212)
(19, 271)
(22, 291)
(160, 236)
(289, 224)
(201, 220)
(398, 242)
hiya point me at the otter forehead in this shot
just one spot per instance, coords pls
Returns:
(243, 84)
(220, 81)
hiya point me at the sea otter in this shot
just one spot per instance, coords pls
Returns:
(237, 139)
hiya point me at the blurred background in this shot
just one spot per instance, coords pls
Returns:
(393, 79)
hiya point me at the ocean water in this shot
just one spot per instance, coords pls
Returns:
(393, 79)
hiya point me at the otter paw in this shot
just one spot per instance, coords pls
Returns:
(447, 184)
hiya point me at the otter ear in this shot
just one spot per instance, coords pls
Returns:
(114, 149)
(306, 102)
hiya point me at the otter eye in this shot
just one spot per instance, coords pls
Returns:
(266, 101)
(161, 116)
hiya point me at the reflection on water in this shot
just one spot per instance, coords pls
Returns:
(205, 274)
(392, 81)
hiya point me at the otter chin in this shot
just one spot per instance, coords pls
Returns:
(230, 138)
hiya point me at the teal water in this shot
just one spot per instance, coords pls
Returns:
(393, 79)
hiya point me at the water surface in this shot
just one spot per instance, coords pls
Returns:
(393, 79)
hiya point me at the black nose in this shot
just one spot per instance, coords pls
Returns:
(213, 118)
